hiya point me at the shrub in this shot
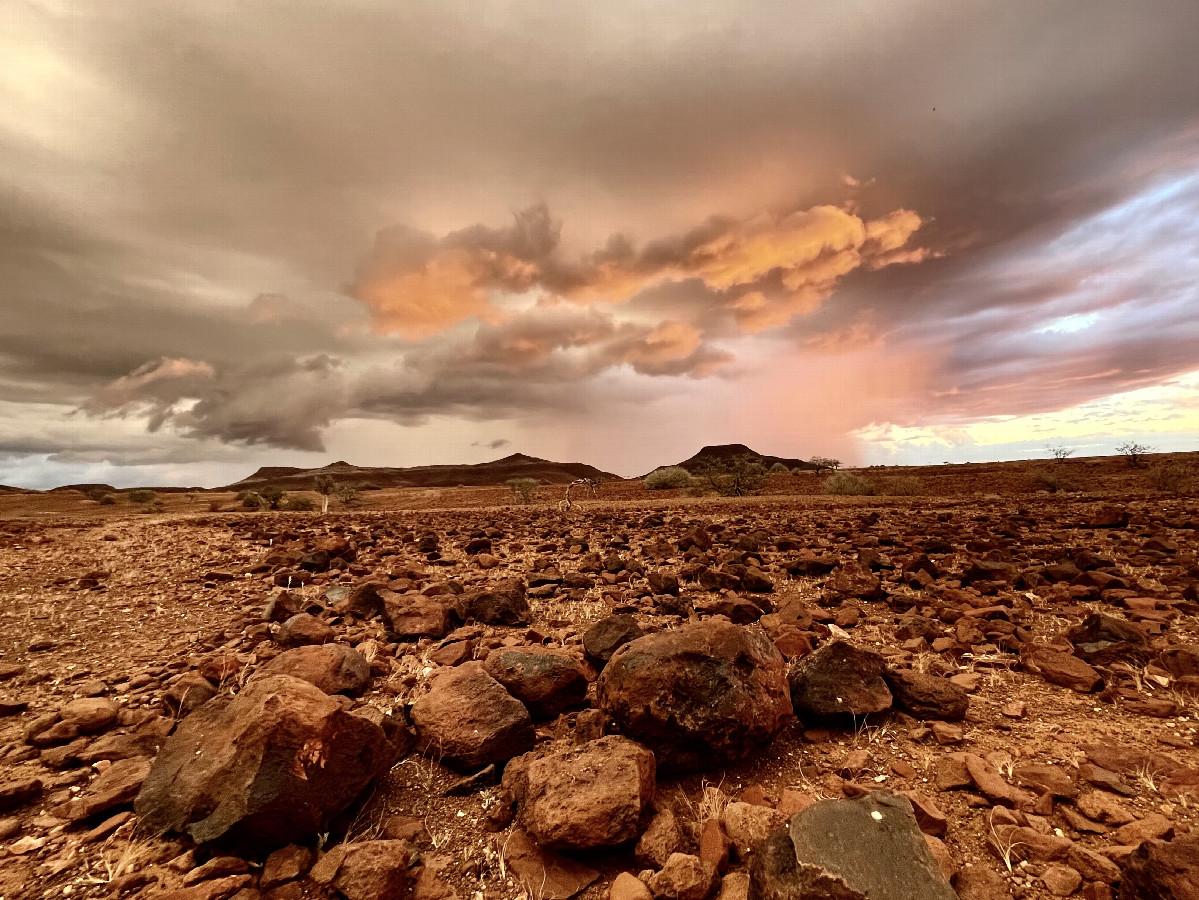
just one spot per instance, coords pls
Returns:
(298, 504)
(251, 500)
(1134, 454)
(739, 477)
(1048, 480)
(903, 486)
(667, 477)
(779, 469)
(1061, 453)
(369, 486)
(522, 488)
(273, 495)
(849, 484)
(215, 506)
(141, 496)
(1170, 477)
(106, 500)
(348, 495)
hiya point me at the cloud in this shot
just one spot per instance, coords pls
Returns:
(495, 444)
(416, 285)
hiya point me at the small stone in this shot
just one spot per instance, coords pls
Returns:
(1061, 881)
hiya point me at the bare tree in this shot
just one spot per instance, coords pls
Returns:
(1060, 453)
(591, 484)
(1134, 454)
(348, 495)
(522, 488)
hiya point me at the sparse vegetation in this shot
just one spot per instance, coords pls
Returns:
(824, 463)
(348, 495)
(903, 486)
(107, 500)
(1060, 453)
(140, 496)
(849, 484)
(1049, 480)
(779, 469)
(1171, 478)
(522, 489)
(1134, 453)
(251, 500)
(296, 503)
(739, 477)
(666, 478)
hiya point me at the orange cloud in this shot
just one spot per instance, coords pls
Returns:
(416, 286)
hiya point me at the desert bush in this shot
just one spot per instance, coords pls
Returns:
(273, 495)
(849, 484)
(251, 500)
(522, 489)
(216, 506)
(348, 495)
(141, 496)
(1170, 478)
(298, 504)
(1134, 454)
(106, 500)
(369, 486)
(1048, 480)
(667, 477)
(903, 486)
(779, 469)
(739, 477)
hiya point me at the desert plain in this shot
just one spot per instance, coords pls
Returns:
(458, 680)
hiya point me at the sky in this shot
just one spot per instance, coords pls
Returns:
(236, 234)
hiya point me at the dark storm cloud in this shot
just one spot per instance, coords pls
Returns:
(192, 193)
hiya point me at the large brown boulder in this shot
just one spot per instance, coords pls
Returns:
(927, 696)
(700, 696)
(334, 668)
(1162, 870)
(596, 795)
(546, 681)
(468, 721)
(1063, 669)
(366, 870)
(269, 767)
(839, 679)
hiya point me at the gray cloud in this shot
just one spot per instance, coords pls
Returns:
(177, 189)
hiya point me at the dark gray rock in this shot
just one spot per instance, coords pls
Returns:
(839, 679)
(865, 849)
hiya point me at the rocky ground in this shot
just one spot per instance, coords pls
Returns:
(624, 701)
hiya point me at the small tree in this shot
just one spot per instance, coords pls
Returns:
(141, 496)
(348, 495)
(824, 462)
(1060, 453)
(522, 488)
(273, 495)
(739, 477)
(1134, 454)
(325, 486)
(251, 500)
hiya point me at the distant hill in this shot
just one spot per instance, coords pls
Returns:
(85, 488)
(6, 489)
(720, 454)
(481, 474)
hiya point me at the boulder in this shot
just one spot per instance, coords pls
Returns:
(927, 696)
(506, 603)
(467, 720)
(607, 636)
(839, 679)
(90, 714)
(684, 877)
(334, 668)
(269, 767)
(408, 617)
(366, 870)
(1162, 870)
(546, 681)
(700, 696)
(303, 628)
(596, 795)
(1063, 669)
(849, 850)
